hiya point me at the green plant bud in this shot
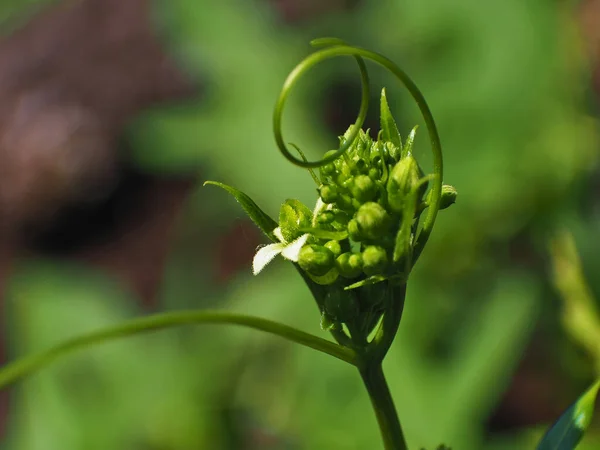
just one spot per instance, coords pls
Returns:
(345, 202)
(334, 247)
(404, 177)
(374, 173)
(373, 220)
(293, 215)
(328, 193)
(340, 222)
(375, 152)
(342, 178)
(363, 189)
(354, 231)
(349, 265)
(341, 305)
(327, 279)
(326, 217)
(328, 169)
(449, 195)
(316, 259)
(375, 260)
(393, 151)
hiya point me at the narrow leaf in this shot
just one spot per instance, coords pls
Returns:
(367, 281)
(410, 140)
(262, 220)
(388, 124)
(568, 430)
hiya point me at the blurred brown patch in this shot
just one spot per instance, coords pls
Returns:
(70, 81)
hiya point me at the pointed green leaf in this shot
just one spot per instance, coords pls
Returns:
(258, 216)
(568, 430)
(410, 140)
(366, 282)
(388, 124)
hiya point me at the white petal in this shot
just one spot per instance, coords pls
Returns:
(278, 235)
(264, 256)
(320, 206)
(291, 251)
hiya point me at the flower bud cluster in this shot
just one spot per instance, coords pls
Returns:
(365, 194)
(361, 235)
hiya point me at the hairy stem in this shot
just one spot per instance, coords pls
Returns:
(383, 404)
(30, 364)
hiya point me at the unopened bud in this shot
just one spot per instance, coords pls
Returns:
(316, 260)
(329, 168)
(449, 195)
(334, 247)
(328, 193)
(375, 260)
(326, 217)
(373, 220)
(349, 265)
(363, 188)
(404, 177)
(354, 231)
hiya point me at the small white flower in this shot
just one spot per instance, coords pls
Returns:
(289, 250)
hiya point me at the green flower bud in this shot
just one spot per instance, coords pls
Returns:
(328, 193)
(354, 231)
(345, 202)
(327, 279)
(341, 305)
(373, 220)
(349, 265)
(374, 173)
(343, 175)
(316, 259)
(449, 195)
(404, 177)
(375, 260)
(340, 221)
(363, 189)
(293, 215)
(393, 151)
(326, 217)
(375, 152)
(328, 169)
(334, 247)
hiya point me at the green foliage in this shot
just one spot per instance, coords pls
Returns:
(566, 433)
(258, 216)
(510, 116)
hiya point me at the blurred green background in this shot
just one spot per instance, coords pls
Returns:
(481, 360)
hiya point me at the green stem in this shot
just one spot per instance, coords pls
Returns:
(383, 404)
(30, 364)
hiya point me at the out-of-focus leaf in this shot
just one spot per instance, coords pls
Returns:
(568, 430)
(258, 216)
(388, 124)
